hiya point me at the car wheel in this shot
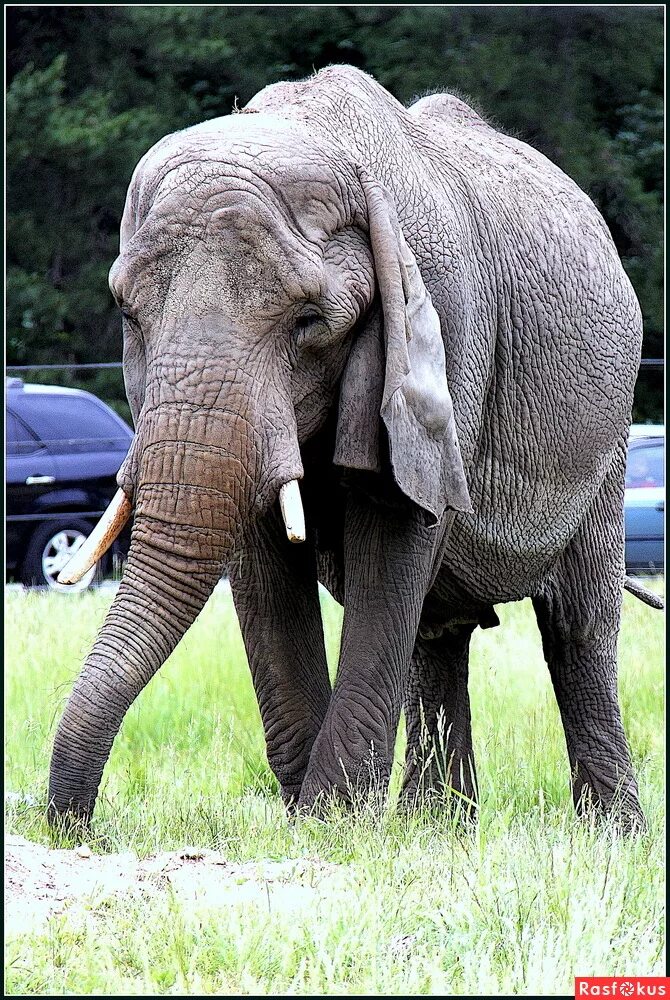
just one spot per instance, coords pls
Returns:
(51, 547)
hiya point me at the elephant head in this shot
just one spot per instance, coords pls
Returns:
(263, 280)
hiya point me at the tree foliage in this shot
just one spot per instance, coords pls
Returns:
(91, 88)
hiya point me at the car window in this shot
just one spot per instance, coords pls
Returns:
(20, 441)
(72, 423)
(645, 466)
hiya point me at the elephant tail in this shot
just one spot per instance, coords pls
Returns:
(635, 588)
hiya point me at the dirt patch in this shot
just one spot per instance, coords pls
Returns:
(41, 882)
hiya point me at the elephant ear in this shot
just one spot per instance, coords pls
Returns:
(397, 370)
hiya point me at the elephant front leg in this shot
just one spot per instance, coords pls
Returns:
(276, 597)
(387, 565)
(439, 763)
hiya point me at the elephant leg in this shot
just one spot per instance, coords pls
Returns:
(388, 557)
(439, 763)
(578, 613)
(276, 597)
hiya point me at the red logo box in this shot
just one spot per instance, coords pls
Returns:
(622, 986)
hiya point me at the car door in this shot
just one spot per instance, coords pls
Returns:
(94, 445)
(31, 470)
(30, 474)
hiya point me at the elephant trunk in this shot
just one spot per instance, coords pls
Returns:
(192, 495)
(160, 596)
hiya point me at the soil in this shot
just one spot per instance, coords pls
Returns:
(41, 882)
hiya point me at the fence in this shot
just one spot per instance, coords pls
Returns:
(644, 363)
(648, 403)
(104, 379)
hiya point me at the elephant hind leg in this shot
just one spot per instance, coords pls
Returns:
(578, 613)
(439, 763)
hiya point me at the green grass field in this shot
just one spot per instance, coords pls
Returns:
(531, 899)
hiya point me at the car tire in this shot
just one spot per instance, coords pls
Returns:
(50, 547)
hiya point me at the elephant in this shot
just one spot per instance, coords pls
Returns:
(425, 324)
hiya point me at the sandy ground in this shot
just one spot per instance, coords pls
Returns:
(41, 882)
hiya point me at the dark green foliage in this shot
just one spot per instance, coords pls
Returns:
(91, 88)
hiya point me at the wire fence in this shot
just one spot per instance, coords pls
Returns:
(105, 379)
(70, 368)
(644, 363)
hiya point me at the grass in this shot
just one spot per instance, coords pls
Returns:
(531, 899)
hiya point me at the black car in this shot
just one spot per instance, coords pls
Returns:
(64, 448)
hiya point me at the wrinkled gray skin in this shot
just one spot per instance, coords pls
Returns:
(273, 276)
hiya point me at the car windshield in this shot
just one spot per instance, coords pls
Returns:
(645, 466)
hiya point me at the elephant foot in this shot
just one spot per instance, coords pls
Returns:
(608, 799)
(290, 797)
(290, 776)
(363, 787)
(450, 788)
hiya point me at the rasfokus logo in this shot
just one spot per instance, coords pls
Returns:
(622, 986)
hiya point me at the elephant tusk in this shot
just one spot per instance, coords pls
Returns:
(108, 528)
(292, 512)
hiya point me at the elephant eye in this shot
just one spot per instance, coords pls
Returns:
(306, 320)
(307, 325)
